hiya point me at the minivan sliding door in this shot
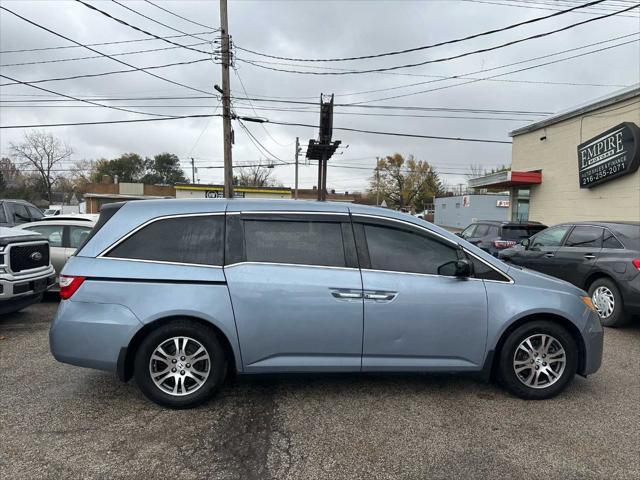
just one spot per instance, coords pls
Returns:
(296, 291)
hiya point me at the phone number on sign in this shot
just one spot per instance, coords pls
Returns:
(602, 173)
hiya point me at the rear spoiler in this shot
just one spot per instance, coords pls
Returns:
(106, 212)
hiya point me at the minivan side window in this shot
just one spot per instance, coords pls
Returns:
(585, 236)
(294, 242)
(397, 250)
(551, 237)
(189, 239)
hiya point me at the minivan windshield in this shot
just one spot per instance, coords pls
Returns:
(520, 232)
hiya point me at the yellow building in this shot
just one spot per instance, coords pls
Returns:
(577, 165)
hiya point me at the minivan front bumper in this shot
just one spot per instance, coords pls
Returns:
(91, 334)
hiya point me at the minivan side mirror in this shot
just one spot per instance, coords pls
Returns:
(525, 243)
(456, 268)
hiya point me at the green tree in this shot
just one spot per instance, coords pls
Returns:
(164, 169)
(404, 183)
(128, 167)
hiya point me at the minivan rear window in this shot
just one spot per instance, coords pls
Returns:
(520, 232)
(190, 239)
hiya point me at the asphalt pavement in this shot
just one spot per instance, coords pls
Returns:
(59, 421)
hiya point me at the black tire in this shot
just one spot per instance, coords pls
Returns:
(619, 317)
(207, 337)
(506, 370)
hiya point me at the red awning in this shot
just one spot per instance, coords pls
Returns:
(506, 179)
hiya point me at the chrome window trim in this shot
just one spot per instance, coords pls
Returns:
(452, 242)
(7, 253)
(290, 212)
(289, 265)
(162, 262)
(149, 222)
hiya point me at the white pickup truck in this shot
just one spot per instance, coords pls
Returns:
(25, 269)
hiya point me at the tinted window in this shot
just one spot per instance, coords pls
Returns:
(468, 232)
(77, 235)
(3, 218)
(20, 213)
(402, 251)
(585, 236)
(35, 213)
(482, 270)
(53, 233)
(482, 230)
(197, 239)
(610, 241)
(519, 232)
(551, 237)
(296, 242)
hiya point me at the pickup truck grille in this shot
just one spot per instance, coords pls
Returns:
(27, 257)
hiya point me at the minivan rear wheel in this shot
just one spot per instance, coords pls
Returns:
(180, 364)
(538, 360)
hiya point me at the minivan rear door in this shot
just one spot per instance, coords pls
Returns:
(296, 290)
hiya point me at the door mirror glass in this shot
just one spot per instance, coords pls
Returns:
(525, 243)
(456, 268)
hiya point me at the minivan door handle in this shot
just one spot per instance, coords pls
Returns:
(346, 294)
(589, 256)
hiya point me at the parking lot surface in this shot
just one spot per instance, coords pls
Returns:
(59, 421)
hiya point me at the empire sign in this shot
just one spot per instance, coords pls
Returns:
(609, 155)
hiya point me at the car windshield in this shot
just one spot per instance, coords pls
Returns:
(520, 232)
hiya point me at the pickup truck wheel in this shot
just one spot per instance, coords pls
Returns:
(538, 360)
(608, 301)
(180, 364)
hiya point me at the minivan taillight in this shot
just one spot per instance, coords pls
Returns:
(500, 244)
(636, 263)
(69, 285)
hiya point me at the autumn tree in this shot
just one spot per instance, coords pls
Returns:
(164, 169)
(404, 183)
(44, 154)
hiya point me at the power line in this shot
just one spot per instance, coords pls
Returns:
(60, 60)
(180, 16)
(154, 20)
(107, 122)
(444, 59)
(101, 53)
(86, 101)
(256, 142)
(424, 47)
(103, 43)
(535, 7)
(92, 75)
(164, 39)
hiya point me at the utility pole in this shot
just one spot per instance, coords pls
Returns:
(297, 154)
(226, 101)
(193, 171)
(377, 182)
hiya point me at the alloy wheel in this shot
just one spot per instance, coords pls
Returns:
(179, 366)
(604, 301)
(539, 361)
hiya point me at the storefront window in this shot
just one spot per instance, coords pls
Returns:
(520, 202)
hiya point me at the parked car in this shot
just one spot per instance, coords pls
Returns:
(25, 270)
(178, 292)
(16, 212)
(600, 257)
(493, 236)
(65, 234)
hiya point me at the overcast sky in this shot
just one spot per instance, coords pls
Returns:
(309, 29)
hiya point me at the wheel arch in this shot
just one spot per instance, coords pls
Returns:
(127, 354)
(593, 276)
(573, 330)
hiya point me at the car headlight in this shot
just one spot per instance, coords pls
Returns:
(589, 303)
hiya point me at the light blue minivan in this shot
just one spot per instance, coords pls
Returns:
(180, 293)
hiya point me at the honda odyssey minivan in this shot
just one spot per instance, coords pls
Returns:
(180, 293)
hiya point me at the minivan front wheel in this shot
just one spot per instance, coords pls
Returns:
(538, 360)
(180, 364)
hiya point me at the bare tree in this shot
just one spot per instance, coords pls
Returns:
(82, 173)
(42, 152)
(475, 171)
(254, 176)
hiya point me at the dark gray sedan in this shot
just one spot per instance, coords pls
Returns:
(600, 257)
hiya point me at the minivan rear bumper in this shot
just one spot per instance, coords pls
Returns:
(91, 334)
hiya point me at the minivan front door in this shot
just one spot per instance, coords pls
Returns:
(417, 316)
(296, 291)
